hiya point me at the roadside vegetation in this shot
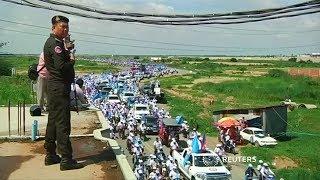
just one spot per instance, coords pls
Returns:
(18, 88)
(212, 85)
(300, 147)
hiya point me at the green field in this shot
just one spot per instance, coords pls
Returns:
(18, 88)
(302, 142)
(190, 98)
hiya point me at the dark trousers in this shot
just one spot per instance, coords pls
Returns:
(58, 127)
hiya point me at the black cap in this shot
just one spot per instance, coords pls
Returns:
(56, 19)
(79, 82)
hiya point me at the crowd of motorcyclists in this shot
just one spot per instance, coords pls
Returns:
(262, 171)
(124, 125)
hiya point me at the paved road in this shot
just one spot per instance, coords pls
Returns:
(237, 169)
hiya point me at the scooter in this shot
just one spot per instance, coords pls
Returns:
(230, 147)
(270, 177)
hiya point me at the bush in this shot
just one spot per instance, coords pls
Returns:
(277, 73)
(184, 61)
(293, 59)
(233, 60)
(5, 68)
(242, 68)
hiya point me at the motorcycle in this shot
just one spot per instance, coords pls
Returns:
(129, 146)
(270, 177)
(121, 131)
(164, 171)
(230, 147)
(185, 132)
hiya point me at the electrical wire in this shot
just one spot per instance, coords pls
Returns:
(241, 13)
(165, 22)
(202, 19)
(148, 47)
(156, 22)
(116, 44)
(94, 9)
(136, 40)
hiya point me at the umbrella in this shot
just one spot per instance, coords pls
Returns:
(228, 122)
(226, 119)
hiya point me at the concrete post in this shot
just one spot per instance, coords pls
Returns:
(34, 130)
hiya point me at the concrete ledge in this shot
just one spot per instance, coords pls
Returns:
(121, 158)
(17, 137)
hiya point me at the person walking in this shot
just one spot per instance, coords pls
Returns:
(42, 83)
(59, 61)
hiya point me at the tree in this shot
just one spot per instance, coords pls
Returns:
(293, 59)
(5, 66)
(242, 69)
(233, 60)
(136, 57)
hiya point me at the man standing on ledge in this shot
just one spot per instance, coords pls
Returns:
(59, 61)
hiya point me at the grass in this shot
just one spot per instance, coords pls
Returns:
(189, 110)
(15, 88)
(84, 66)
(18, 88)
(169, 82)
(299, 174)
(21, 63)
(273, 89)
(303, 146)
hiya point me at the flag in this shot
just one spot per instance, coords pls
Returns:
(195, 145)
(204, 142)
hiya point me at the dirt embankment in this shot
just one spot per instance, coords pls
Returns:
(284, 162)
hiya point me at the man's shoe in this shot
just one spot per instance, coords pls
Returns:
(69, 164)
(51, 159)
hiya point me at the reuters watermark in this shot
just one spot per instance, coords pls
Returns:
(241, 159)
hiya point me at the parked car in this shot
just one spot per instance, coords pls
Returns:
(113, 98)
(145, 89)
(151, 124)
(140, 110)
(196, 166)
(125, 95)
(257, 136)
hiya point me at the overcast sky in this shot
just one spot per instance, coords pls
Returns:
(269, 35)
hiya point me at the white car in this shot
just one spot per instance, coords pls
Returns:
(201, 166)
(125, 95)
(257, 136)
(113, 99)
(140, 110)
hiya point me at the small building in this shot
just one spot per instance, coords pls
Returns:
(155, 58)
(272, 119)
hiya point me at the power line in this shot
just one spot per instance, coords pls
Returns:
(94, 9)
(115, 44)
(148, 47)
(134, 14)
(229, 28)
(271, 32)
(187, 22)
(137, 40)
(159, 22)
